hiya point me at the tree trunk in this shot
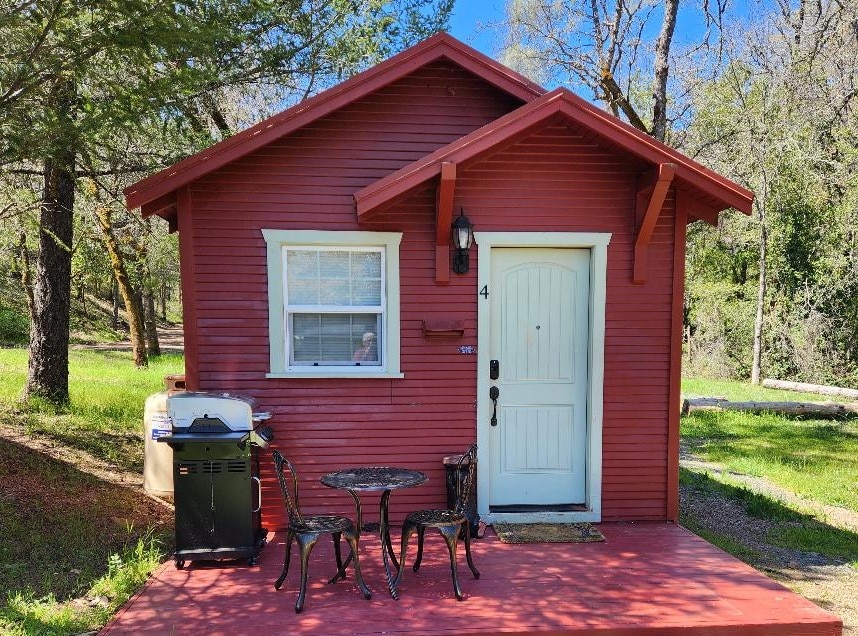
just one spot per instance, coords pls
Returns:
(133, 303)
(804, 387)
(662, 68)
(761, 300)
(114, 296)
(152, 344)
(819, 409)
(48, 366)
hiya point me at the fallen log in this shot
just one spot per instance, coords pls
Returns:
(811, 388)
(821, 409)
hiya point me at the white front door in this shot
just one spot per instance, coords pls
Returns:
(539, 309)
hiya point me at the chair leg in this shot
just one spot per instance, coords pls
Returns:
(306, 541)
(407, 530)
(341, 571)
(352, 538)
(289, 536)
(421, 531)
(451, 536)
(471, 565)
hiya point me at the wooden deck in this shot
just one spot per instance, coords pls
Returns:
(646, 579)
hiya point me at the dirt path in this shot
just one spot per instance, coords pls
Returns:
(171, 338)
(827, 582)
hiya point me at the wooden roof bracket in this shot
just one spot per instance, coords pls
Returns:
(652, 205)
(444, 220)
(164, 207)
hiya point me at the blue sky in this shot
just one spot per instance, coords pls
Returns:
(468, 15)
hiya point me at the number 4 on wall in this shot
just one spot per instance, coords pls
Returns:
(484, 292)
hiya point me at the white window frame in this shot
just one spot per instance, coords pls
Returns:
(278, 337)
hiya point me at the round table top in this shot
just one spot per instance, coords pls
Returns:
(371, 478)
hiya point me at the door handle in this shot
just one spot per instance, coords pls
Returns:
(494, 394)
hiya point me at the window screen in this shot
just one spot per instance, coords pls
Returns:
(334, 306)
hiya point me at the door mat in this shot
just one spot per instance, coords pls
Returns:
(547, 533)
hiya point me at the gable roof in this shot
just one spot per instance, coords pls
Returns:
(718, 192)
(156, 193)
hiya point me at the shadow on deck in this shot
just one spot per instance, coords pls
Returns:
(646, 579)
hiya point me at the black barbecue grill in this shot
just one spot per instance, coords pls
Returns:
(216, 488)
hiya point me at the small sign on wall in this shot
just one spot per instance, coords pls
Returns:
(468, 350)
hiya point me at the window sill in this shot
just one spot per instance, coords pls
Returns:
(340, 375)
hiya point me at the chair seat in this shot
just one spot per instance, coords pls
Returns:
(320, 524)
(435, 518)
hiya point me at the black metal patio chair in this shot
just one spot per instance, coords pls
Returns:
(451, 523)
(306, 529)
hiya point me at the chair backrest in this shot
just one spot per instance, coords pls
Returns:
(465, 483)
(289, 491)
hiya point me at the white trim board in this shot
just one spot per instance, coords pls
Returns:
(597, 243)
(275, 240)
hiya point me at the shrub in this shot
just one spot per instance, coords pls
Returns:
(14, 328)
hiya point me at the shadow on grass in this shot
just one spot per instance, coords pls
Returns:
(59, 526)
(817, 454)
(794, 530)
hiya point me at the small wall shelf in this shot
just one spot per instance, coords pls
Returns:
(443, 328)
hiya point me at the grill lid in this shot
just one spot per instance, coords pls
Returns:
(202, 412)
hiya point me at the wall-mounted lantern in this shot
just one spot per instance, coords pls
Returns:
(463, 236)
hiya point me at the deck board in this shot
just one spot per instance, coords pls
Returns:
(646, 579)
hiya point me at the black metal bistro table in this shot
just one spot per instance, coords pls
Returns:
(384, 479)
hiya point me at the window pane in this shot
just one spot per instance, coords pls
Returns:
(336, 339)
(302, 271)
(366, 279)
(366, 293)
(334, 292)
(306, 343)
(334, 277)
(366, 265)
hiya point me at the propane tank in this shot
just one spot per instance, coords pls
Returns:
(158, 457)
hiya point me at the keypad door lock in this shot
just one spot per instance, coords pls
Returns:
(494, 369)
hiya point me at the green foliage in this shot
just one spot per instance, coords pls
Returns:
(14, 328)
(720, 320)
(750, 125)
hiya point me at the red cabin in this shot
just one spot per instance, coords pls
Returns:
(319, 276)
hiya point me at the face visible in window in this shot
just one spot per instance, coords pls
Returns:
(367, 352)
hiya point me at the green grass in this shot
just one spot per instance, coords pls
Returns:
(25, 614)
(755, 504)
(728, 544)
(815, 458)
(64, 533)
(811, 536)
(105, 415)
(796, 529)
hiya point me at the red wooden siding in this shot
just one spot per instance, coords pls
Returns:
(556, 179)
(559, 180)
(306, 181)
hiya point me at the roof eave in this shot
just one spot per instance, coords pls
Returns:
(434, 48)
(697, 176)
